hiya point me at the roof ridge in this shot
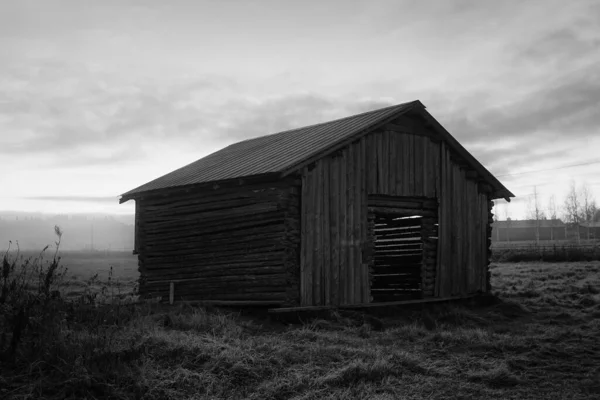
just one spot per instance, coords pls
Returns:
(327, 122)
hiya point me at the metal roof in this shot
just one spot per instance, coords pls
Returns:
(272, 153)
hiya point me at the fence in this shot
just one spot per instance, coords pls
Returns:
(558, 252)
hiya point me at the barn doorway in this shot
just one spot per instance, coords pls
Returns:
(404, 242)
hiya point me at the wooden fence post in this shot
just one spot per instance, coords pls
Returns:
(171, 292)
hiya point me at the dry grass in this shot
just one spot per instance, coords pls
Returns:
(539, 340)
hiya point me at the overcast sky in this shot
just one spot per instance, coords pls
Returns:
(98, 97)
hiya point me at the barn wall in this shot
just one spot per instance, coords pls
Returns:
(228, 244)
(335, 245)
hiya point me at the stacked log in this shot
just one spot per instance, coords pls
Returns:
(398, 258)
(370, 250)
(429, 235)
(219, 244)
(291, 245)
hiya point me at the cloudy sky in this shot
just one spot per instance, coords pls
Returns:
(98, 97)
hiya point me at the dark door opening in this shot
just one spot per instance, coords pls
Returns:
(397, 267)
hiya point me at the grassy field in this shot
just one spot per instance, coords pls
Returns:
(539, 339)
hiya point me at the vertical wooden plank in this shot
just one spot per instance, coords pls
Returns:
(456, 231)
(469, 241)
(343, 239)
(436, 147)
(411, 165)
(349, 278)
(405, 164)
(317, 255)
(380, 167)
(384, 164)
(334, 212)
(475, 235)
(473, 246)
(306, 250)
(467, 233)
(451, 226)
(424, 165)
(398, 160)
(483, 267)
(358, 225)
(441, 229)
(391, 154)
(418, 165)
(136, 229)
(461, 233)
(372, 152)
(326, 227)
(365, 287)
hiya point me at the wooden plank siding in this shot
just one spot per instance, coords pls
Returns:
(389, 163)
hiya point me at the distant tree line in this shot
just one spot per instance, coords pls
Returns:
(579, 208)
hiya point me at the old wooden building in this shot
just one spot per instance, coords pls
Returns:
(377, 207)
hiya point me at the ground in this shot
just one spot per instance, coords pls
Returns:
(539, 339)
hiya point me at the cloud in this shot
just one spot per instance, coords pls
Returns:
(564, 44)
(88, 199)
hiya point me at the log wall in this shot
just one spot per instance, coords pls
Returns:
(337, 230)
(225, 244)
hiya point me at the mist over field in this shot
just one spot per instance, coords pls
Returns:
(33, 231)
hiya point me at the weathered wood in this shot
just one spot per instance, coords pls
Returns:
(306, 249)
(318, 235)
(363, 216)
(351, 204)
(334, 213)
(343, 231)
(326, 229)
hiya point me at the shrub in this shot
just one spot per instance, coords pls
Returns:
(76, 345)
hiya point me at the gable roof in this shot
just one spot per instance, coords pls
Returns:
(283, 152)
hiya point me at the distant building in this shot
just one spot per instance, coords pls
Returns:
(589, 230)
(528, 229)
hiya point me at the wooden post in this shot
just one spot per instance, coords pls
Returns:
(171, 292)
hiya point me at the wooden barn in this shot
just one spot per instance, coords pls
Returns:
(383, 206)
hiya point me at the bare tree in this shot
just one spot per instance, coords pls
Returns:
(572, 208)
(552, 211)
(587, 206)
(535, 212)
(506, 213)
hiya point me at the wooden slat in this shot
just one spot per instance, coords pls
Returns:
(363, 213)
(343, 213)
(418, 165)
(334, 212)
(351, 221)
(372, 170)
(326, 229)
(318, 236)
(442, 243)
(380, 166)
(306, 248)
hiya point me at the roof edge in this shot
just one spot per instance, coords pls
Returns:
(266, 177)
(500, 190)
